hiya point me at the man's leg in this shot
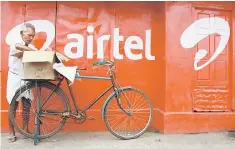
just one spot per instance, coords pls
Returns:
(26, 113)
(12, 130)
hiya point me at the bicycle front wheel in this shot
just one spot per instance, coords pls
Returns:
(128, 116)
(23, 109)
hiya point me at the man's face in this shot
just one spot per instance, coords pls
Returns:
(28, 35)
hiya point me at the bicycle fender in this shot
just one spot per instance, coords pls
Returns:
(109, 98)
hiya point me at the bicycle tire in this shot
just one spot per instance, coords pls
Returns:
(113, 97)
(31, 85)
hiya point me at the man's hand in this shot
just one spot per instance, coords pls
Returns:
(23, 47)
(49, 49)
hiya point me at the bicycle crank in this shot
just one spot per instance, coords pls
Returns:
(79, 117)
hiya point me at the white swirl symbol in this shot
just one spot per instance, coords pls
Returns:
(199, 30)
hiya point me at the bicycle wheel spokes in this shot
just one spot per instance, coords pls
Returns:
(49, 124)
(137, 119)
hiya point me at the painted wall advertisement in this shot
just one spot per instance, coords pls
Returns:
(181, 55)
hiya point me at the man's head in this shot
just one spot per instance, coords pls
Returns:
(27, 33)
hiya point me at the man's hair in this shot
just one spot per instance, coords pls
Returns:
(27, 25)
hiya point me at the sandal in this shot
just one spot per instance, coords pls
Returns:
(12, 138)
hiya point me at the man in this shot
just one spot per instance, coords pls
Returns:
(16, 73)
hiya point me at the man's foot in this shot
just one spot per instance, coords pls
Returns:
(12, 138)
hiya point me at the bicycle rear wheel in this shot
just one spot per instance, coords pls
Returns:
(132, 117)
(22, 111)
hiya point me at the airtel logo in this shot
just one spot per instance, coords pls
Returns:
(201, 29)
(131, 43)
(197, 31)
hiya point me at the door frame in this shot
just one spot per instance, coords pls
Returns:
(226, 6)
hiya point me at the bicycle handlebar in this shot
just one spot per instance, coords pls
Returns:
(99, 63)
(103, 63)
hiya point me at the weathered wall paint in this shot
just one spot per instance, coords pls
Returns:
(174, 83)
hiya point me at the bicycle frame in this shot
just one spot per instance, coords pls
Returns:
(113, 86)
(99, 97)
(39, 106)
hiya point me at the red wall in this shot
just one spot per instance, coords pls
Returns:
(183, 82)
(74, 17)
(170, 80)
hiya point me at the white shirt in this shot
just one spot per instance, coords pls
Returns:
(15, 64)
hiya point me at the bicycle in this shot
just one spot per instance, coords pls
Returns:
(123, 104)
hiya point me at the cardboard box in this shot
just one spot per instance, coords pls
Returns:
(38, 65)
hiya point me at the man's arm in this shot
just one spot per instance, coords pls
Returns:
(23, 48)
